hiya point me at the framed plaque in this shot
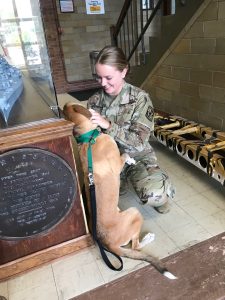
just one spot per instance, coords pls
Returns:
(41, 210)
(66, 6)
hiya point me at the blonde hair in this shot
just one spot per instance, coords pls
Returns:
(114, 57)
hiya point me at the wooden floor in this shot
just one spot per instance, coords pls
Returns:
(200, 270)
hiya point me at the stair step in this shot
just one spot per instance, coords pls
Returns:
(170, 26)
(139, 73)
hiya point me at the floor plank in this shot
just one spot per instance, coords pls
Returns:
(200, 270)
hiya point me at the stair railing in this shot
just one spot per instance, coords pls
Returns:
(133, 22)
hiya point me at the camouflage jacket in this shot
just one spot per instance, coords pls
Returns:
(131, 115)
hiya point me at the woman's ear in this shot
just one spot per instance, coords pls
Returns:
(124, 72)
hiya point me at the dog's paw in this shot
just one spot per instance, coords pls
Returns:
(130, 160)
(148, 238)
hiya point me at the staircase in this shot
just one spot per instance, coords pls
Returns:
(147, 28)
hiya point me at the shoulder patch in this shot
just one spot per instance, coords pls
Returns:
(150, 113)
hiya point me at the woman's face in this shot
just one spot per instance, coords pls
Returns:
(110, 78)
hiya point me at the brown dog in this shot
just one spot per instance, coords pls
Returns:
(115, 228)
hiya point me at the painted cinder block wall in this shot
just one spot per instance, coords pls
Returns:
(83, 33)
(190, 78)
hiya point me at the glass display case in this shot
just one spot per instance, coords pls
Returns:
(27, 91)
(37, 164)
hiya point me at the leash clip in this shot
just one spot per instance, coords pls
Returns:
(91, 179)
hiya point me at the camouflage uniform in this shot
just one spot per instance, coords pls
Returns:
(131, 115)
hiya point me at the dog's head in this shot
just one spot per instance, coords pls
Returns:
(80, 116)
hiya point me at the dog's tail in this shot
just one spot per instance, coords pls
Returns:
(155, 262)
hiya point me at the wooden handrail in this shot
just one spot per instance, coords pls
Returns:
(121, 18)
(137, 16)
(145, 27)
(115, 30)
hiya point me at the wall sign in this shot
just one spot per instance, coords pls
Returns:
(66, 6)
(95, 7)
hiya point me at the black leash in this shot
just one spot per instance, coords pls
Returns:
(90, 138)
(102, 249)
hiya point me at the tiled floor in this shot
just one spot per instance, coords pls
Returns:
(197, 213)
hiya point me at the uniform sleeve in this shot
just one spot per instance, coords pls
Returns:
(94, 102)
(134, 134)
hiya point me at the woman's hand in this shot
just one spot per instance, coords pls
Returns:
(96, 118)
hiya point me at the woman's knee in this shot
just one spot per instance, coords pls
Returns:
(155, 189)
(152, 197)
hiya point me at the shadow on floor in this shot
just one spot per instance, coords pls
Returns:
(83, 95)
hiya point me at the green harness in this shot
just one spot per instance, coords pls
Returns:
(90, 138)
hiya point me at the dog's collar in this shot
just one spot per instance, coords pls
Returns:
(88, 137)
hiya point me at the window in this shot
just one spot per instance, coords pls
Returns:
(147, 4)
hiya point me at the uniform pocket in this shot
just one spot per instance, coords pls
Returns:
(126, 110)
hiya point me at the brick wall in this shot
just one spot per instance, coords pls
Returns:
(190, 79)
(51, 26)
(80, 34)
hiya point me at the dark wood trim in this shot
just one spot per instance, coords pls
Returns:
(167, 6)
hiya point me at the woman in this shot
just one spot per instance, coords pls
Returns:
(125, 112)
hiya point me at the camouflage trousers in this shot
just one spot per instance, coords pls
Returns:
(150, 183)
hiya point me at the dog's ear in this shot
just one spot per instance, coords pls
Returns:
(82, 110)
(71, 106)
